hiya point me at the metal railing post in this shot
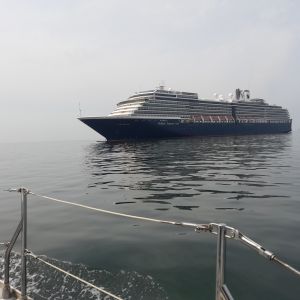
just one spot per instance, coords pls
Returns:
(6, 292)
(221, 258)
(24, 193)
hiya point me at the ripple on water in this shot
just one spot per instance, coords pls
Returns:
(251, 182)
(46, 283)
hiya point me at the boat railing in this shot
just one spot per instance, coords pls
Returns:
(222, 231)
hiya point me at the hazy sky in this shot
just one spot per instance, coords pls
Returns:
(55, 54)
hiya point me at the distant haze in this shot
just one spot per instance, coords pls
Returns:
(55, 54)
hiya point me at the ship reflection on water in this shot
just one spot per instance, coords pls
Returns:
(185, 173)
(243, 181)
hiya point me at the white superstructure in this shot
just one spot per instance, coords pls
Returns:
(169, 103)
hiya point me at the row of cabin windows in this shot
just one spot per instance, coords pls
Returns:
(141, 112)
(191, 100)
(257, 109)
(181, 105)
(149, 113)
(160, 104)
(248, 110)
(147, 106)
(195, 101)
(262, 114)
(265, 112)
(188, 109)
(244, 107)
(255, 112)
(238, 106)
(150, 107)
(240, 120)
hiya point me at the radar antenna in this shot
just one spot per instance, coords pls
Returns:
(161, 85)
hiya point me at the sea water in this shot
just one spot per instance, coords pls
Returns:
(249, 182)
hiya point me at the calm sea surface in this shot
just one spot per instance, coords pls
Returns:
(250, 182)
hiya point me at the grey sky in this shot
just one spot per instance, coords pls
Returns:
(55, 54)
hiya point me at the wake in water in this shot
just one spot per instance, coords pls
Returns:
(46, 283)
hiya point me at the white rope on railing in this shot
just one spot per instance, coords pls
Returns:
(194, 225)
(222, 230)
(230, 231)
(29, 253)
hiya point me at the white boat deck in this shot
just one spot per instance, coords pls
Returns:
(16, 294)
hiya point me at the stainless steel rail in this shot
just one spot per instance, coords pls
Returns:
(222, 292)
(7, 291)
(233, 233)
(24, 192)
(222, 231)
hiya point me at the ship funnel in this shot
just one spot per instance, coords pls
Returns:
(243, 95)
(247, 95)
(238, 94)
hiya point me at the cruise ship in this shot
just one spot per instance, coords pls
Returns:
(165, 113)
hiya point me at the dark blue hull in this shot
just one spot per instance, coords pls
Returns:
(138, 128)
